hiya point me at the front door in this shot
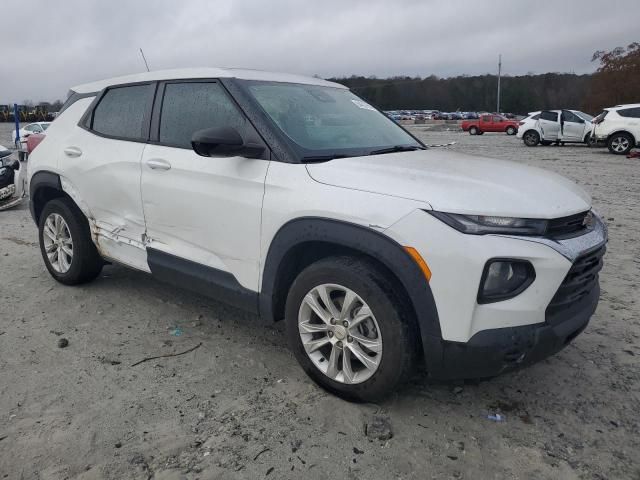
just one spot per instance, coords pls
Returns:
(205, 210)
(572, 127)
(549, 125)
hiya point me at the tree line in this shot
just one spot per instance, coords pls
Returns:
(617, 80)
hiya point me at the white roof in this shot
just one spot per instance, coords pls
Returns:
(187, 73)
(626, 105)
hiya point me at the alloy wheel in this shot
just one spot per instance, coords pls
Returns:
(620, 144)
(58, 243)
(340, 334)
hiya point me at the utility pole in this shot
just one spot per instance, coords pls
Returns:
(499, 74)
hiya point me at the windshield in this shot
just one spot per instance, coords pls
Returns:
(584, 116)
(327, 121)
(44, 126)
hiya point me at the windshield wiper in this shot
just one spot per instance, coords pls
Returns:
(396, 148)
(322, 158)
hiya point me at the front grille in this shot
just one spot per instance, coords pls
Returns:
(570, 226)
(580, 281)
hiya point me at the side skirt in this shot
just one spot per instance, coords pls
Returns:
(201, 279)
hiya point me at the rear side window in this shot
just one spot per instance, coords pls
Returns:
(123, 112)
(535, 117)
(630, 112)
(551, 116)
(191, 106)
(486, 118)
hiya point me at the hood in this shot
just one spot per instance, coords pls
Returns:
(458, 183)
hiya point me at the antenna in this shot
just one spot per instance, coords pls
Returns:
(145, 60)
(499, 74)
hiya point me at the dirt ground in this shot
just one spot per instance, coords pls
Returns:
(238, 406)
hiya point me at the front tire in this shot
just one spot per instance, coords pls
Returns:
(511, 131)
(65, 243)
(350, 328)
(531, 138)
(620, 143)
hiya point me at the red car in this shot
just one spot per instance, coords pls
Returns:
(490, 123)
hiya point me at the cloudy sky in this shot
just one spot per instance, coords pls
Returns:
(47, 46)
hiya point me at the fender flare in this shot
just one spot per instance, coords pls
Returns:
(370, 242)
(40, 180)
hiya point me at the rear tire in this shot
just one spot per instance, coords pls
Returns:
(390, 323)
(473, 131)
(531, 138)
(620, 143)
(511, 131)
(66, 245)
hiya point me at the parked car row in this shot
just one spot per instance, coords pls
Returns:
(431, 115)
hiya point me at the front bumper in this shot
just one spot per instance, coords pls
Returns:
(492, 352)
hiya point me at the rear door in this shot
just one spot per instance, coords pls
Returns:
(549, 125)
(572, 127)
(100, 162)
(205, 210)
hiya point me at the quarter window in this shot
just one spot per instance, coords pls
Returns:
(629, 112)
(550, 116)
(192, 106)
(122, 112)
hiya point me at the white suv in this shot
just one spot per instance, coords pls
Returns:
(293, 198)
(618, 128)
(559, 126)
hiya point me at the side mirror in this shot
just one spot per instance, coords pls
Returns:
(224, 142)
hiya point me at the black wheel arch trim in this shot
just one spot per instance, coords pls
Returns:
(41, 179)
(370, 242)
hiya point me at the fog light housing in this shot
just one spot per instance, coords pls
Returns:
(504, 278)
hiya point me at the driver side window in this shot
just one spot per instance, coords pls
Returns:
(191, 106)
(571, 117)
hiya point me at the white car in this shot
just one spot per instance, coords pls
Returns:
(527, 123)
(559, 126)
(24, 132)
(618, 128)
(293, 198)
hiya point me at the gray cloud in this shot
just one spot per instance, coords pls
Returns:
(76, 41)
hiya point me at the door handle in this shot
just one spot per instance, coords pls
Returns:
(72, 152)
(158, 164)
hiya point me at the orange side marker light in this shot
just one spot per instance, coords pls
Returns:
(420, 261)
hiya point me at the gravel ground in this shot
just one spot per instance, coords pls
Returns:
(238, 406)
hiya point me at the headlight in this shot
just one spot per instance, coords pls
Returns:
(504, 278)
(481, 224)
